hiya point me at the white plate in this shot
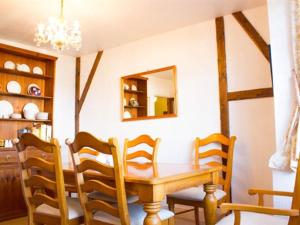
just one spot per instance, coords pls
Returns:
(9, 65)
(133, 88)
(127, 115)
(23, 68)
(5, 109)
(13, 87)
(37, 70)
(126, 87)
(31, 107)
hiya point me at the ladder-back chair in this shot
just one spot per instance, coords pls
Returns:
(43, 185)
(260, 215)
(194, 196)
(99, 211)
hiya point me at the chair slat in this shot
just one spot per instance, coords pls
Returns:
(213, 139)
(96, 185)
(38, 162)
(88, 151)
(213, 163)
(40, 198)
(137, 154)
(91, 164)
(213, 152)
(86, 140)
(28, 140)
(96, 205)
(143, 139)
(37, 180)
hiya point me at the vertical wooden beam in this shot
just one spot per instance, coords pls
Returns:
(77, 94)
(90, 79)
(222, 67)
(253, 34)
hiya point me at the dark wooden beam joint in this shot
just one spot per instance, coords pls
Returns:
(222, 68)
(250, 94)
(80, 100)
(90, 79)
(253, 34)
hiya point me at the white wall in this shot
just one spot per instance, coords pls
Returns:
(193, 50)
(64, 92)
(281, 41)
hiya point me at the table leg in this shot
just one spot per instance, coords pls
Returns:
(152, 210)
(210, 204)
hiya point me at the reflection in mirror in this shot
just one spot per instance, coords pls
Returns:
(149, 95)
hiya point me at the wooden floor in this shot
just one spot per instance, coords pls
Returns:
(183, 219)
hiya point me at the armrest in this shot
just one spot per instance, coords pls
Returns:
(261, 193)
(269, 192)
(225, 207)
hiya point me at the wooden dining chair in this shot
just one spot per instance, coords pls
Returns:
(260, 215)
(194, 196)
(43, 185)
(142, 139)
(98, 211)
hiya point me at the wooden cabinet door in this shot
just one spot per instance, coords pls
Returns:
(11, 196)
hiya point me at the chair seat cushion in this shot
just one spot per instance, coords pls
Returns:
(74, 209)
(100, 196)
(196, 194)
(137, 215)
(248, 218)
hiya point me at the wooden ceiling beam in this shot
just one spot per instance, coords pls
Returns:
(77, 94)
(250, 94)
(90, 79)
(253, 34)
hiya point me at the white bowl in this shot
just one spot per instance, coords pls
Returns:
(29, 114)
(42, 116)
(16, 116)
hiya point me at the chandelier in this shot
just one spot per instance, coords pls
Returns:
(59, 33)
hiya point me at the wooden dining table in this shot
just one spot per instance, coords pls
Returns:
(153, 181)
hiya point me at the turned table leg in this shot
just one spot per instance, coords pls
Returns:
(210, 204)
(152, 210)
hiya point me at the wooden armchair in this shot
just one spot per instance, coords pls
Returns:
(99, 211)
(43, 185)
(261, 215)
(142, 139)
(194, 196)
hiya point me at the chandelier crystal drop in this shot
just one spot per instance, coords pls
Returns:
(59, 33)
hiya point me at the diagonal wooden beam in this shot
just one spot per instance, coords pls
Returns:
(253, 34)
(90, 79)
(250, 94)
(222, 68)
(77, 94)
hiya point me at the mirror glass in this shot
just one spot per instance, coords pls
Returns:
(149, 95)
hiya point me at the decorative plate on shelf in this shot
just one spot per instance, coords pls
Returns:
(9, 65)
(37, 70)
(23, 68)
(13, 87)
(127, 115)
(6, 109)
(133, 88)
(126, 87)
(34, 89)
(133, 102)
(31, 107)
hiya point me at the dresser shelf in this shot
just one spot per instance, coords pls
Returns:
(24, 96)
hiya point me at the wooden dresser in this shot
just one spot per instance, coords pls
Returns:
(11, 197)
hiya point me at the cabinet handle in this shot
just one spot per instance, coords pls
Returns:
(44, 155)
(7, 157)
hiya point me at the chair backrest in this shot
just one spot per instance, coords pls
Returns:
(226, 157)
(142, 139)
(296, 197)
(42, 181)
(114, 188)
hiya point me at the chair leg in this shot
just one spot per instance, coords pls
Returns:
(171, 205)
(196, 212)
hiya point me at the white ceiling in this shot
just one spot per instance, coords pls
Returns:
(109, 23)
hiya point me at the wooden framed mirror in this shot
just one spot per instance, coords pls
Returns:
(149, 95)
